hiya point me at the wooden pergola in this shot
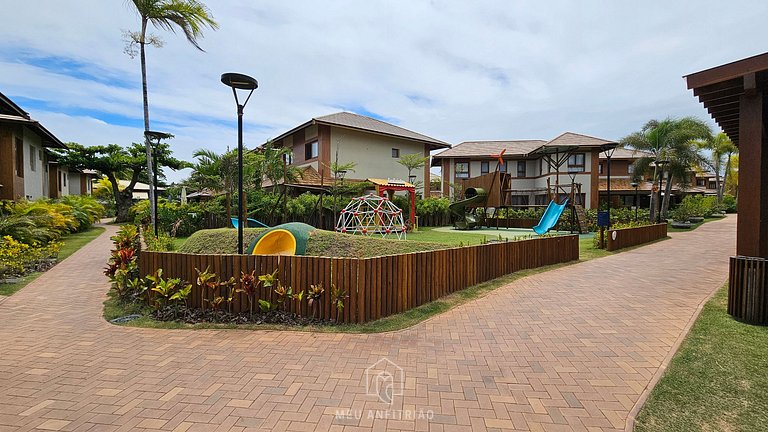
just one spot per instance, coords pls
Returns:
(735, 96)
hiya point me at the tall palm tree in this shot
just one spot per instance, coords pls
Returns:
(190, 16)
(667, 140)
(721, 148)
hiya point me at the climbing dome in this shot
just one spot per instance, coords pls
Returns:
(372, 215)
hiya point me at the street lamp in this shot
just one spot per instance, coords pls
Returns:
(660, 164)
(240, 82)
(608, 150)
(411, 179)
(635, 184)
(154, 138)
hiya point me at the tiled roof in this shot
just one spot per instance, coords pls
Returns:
(623, 185)
(363, 123)
(570, 138)
(489, 148)
(627, 153)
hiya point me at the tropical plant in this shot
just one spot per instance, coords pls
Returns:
(216, 172)
(116, 162)
(265, 306)
(283, 294)
(721, 151)
(338, 296)
(668, 140)
(412, 162)
(249, 284)
(164, 288)
(313, 297)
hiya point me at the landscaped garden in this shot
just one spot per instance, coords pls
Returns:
(35, 235)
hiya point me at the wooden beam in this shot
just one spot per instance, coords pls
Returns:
(727, 71)
(734, 85)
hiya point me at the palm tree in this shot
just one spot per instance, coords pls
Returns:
(190, 16)
(217, 173)
(721, 148)
(667, 140)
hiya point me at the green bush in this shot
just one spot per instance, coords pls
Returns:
(302, 206)
(729, 203)
(176, 219)
(695, 206)
(85, 209)
(218, 241)
(162, 243)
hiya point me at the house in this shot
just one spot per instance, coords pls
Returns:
(374, 145)
(533, 170)
(26, 168)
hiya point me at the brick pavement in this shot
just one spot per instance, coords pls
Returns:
(569, 349)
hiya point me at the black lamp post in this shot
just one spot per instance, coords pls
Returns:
(608, 150)
(635, 185)
(154, 138)
(240, 82)
(660, 164)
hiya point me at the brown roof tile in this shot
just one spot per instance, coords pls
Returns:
(627, 153)
(489, 148)
(570, 138)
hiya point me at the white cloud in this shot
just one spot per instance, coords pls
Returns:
(450, 69)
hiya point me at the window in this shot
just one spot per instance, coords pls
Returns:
(503, 167)
(462, 170)
(60, 178)
(631, 168)
(600, 168)
(521, 170)
(65, 179)
(712, 184)
(576, 162)
(395, 153)
(310, 150)
(484, 167)
(32, 159)
(519, 200)
(288, 158)
(19, 157)
(701, 182)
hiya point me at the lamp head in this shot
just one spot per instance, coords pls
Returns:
(239, 81)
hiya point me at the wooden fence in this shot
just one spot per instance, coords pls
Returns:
(748, 289)
(626, 237)
(377, 287)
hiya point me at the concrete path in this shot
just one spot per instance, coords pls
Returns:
(569, 349)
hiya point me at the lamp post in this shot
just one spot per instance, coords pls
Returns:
(635, 185)
(240, 82)
(608, 150)
(154, 138)
(660, 164)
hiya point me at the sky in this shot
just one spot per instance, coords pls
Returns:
(452, 70)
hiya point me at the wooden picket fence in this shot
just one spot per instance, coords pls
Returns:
(377, 287)
(626, 237)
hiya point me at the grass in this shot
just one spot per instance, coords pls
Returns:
(717, 381)
(178, 242)
(113, 308)
(72, 243)
(425, 234)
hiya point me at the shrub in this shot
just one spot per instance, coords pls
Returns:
(302, 206)
(17, 258)
(162, 243)
(729, 203)
(695, 206)
(174, 218)
(85, 209)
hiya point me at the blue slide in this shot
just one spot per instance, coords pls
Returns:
(550, 218)
(251, 223)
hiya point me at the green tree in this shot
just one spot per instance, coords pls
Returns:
(189, 16)
(218, 172)
(116, 162)
(669, 140)
(411, 162)
(721, 150)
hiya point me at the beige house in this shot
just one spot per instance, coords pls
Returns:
(374, 145)
(530, 166)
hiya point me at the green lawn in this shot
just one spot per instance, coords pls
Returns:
(717, 381)
(72, 243)
(178, 241)
(428, 234)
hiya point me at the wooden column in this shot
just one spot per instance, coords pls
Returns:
(752, 229)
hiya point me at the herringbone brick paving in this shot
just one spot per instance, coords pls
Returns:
(568, 349)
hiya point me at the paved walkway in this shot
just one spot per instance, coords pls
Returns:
(569, 349)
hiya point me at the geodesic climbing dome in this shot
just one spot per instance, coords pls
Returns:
(371, 214)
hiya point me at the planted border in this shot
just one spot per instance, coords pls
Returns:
(376, 287)
(627, 237)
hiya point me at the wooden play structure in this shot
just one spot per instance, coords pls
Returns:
(499, 188)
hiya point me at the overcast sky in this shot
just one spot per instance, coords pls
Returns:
(453, 70)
